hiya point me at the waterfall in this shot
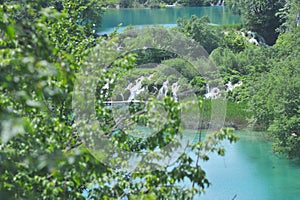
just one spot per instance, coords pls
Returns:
(163, 90)
(231, 86)
(207, 89)
(220, 3)
(212, 93)
(135, 89)
(175, 88)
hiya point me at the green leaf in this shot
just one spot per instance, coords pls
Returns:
(10, 31)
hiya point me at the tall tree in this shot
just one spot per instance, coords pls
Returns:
(290, 15)
(42, 152)
(260, 16)
(201, 31)
(274, 95)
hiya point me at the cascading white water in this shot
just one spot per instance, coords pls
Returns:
(212, 93)
(220, 3)
(175, 88)
(135, 89)
(163, 90)
(231, 86)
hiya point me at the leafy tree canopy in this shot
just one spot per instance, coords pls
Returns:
(43, 46)
(260, 16)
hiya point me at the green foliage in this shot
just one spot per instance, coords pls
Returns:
(232, 27)
(146, 56)
(275, 95)
(199, 83)
(275, 103)
(237, 114)
(182, 67)
(260, 16)
(191, 3)
(270, 75)
(42, 152)
(226, 61)
(126, 3)
(200, 31)
(289, 15)
(37, 70)
(243, 66)
(235, 42)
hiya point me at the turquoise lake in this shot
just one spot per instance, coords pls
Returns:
(166, 16)
(251, 171)
(248, 171)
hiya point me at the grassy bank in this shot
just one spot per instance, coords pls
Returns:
(236, 116)
(236, 113)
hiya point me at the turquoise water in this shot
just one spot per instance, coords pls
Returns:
(166, 16)
(250, 171)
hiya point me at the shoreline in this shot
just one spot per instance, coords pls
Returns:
(162, 7)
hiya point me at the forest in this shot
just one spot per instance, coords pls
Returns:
(46, 154)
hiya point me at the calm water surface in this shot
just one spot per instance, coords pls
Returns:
(166, 16)
(250, 171)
